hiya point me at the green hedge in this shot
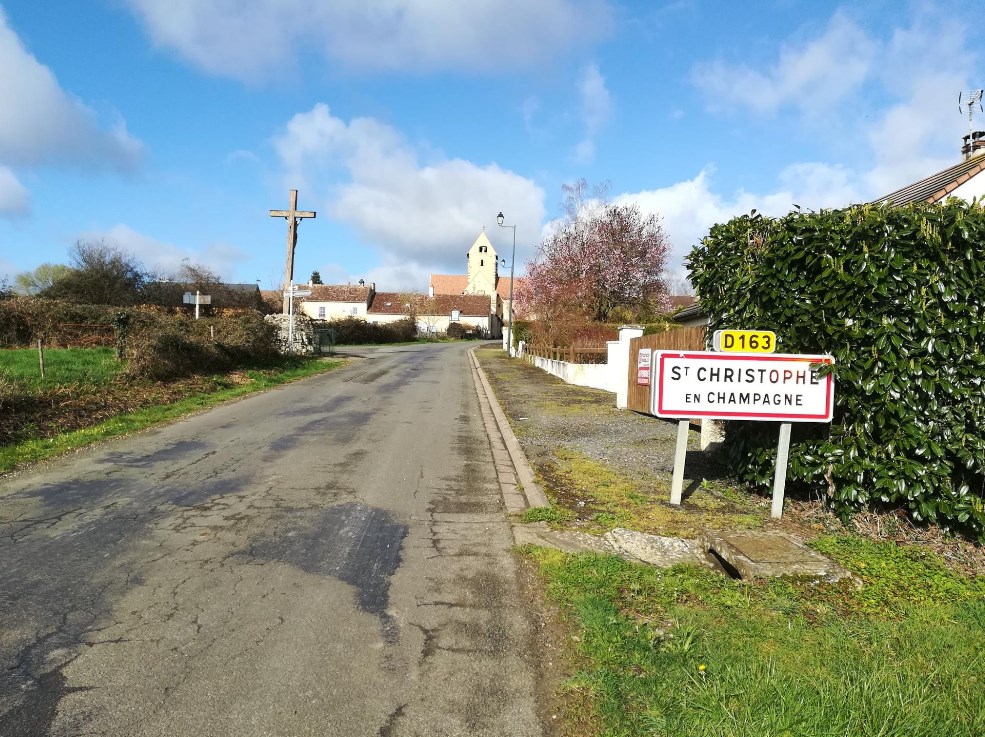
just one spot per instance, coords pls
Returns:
(897, 296)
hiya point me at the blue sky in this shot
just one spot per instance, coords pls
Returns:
(170, 127)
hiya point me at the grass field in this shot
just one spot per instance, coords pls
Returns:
(686, 651)
(63, 366)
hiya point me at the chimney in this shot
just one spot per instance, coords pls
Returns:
(973, 145)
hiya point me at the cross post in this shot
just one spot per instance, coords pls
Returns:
(294, 218)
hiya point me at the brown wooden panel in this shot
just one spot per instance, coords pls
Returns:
(681, 339)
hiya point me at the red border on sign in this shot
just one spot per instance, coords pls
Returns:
(715, 356)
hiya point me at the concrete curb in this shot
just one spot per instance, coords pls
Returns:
(512, 468)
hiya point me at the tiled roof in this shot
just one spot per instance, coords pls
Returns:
(468, 304)
(393, 303)
(503, 286)
(337, 293)
(449, 283)
(397, 303)
(937, 186)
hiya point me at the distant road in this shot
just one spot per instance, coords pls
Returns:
(328, 558)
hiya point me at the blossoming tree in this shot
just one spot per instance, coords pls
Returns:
(600, 259)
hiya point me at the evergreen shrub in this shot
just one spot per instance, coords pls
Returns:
(897, 296)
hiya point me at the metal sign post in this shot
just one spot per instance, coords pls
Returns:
(780, 474)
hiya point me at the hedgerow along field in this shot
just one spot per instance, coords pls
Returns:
(172, 365)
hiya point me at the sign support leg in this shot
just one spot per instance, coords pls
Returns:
(677, 484)
(780, 475)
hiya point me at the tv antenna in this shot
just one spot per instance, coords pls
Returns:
(969, 99)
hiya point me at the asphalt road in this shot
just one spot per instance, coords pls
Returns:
(328, 558)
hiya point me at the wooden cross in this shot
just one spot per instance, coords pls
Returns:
(293, 217)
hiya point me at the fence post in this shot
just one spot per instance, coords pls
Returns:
(41, 355)
(626, 334)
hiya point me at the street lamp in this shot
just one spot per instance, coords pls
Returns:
(509, 328)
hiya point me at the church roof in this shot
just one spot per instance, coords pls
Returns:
(937, 186)
(449, 283)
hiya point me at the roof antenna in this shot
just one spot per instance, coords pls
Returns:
(969, 99)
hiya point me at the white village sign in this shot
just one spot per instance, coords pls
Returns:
(733, 386)
(775, 387)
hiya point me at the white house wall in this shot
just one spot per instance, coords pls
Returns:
(334, 310)
(974, 188)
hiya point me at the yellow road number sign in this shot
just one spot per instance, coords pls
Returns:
(744, 341)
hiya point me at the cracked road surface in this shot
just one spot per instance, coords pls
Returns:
(328, 558)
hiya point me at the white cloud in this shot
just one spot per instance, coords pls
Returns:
(810, 77)
(256, 39)
(418, 214)
(15, 201)
(688, 209)
(596, 108)
(166, 259)
(43, 125)
(920, 133)
(906, 79)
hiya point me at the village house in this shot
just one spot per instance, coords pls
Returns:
(961, 180)
(434, 315)
(336, 301)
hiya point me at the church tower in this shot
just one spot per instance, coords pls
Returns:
(482, 267)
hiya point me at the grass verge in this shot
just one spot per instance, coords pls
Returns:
(685, 651)
(226, 387)
(596, 498)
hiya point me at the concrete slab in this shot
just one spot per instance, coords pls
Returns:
(656, 550)
(758, 554)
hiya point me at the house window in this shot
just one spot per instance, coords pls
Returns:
(482, 249)
(482, 262)
(355, 310)
(456, 315)
(321, 313)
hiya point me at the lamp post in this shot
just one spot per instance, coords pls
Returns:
(509, 328)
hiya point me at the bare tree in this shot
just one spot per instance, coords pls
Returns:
(100, 273)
